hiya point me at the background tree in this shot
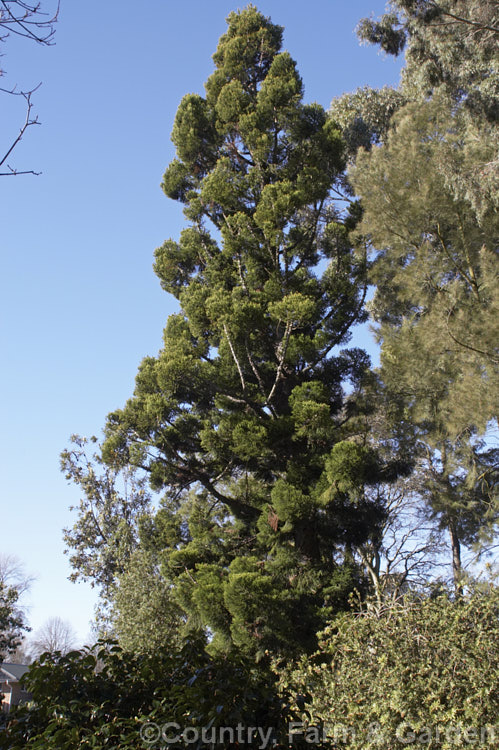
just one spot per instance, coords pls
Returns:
(444, 485)
(449, 89)
(437, 288)
(401, 552)
(12, 623)
(13, 574)
(22, 653)
(29, 21)
(436, 303)
(106, 531)
(55, 635)
(449, 45)
(429, 206)
(404, 556)
(238, 415)
(144, 615)
(14, 582)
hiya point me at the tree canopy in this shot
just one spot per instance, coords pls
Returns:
(243, 417)
(430, 206)
(448, 44)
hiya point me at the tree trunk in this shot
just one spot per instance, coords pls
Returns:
(456, 559)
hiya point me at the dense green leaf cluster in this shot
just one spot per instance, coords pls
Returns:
(108, 698)
(430, 206)
(423, 673)
(237, 416)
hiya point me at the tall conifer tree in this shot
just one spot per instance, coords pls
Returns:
(242, 418)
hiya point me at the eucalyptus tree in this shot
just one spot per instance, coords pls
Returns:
(449, 45)
(429, 201)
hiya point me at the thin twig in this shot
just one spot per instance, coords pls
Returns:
(27, 123)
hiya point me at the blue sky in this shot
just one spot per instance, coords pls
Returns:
(80, 305)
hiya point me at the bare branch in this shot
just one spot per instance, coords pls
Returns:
(26, 20)
(55, 635)
(12, 574)
(281, 354)
(234, 357)
(257, 374)
(28, 122)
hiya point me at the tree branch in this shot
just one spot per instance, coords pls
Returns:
(28, 122)
(281, 353)
(234, 357)
(460, 19)
(28, 19)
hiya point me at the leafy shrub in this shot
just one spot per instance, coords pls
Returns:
(423, 673)
(107, 698)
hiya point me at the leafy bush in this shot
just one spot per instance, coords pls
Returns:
(107, 698)
(424, 672)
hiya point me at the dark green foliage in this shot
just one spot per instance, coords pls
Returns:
(108, 698)
(237, 416)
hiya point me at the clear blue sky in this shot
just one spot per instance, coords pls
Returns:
(80, 305)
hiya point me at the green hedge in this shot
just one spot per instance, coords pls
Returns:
(423, 673)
